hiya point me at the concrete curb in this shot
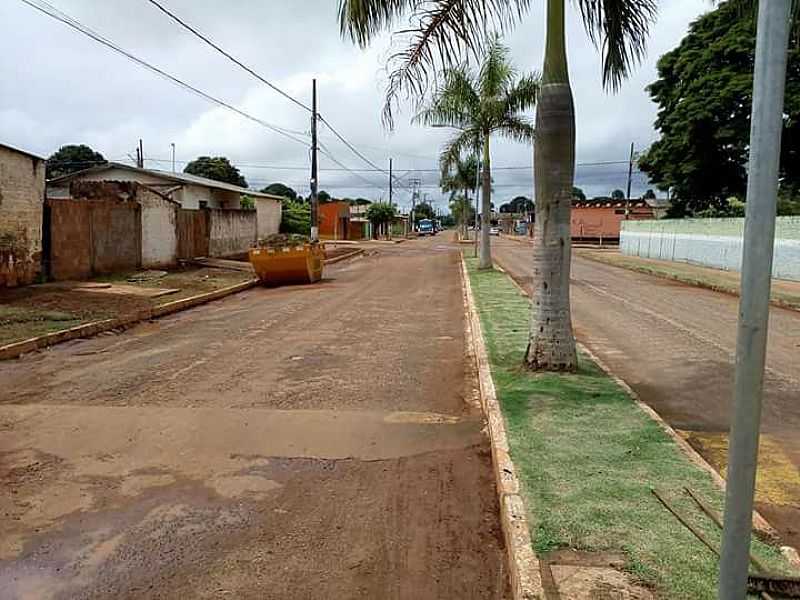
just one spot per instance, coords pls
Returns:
(86, 330)
(761, 525)
(523, 564)
(340, 258)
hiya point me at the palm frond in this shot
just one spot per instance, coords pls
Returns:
(441, 34)
(523, 94)
(454, 104)
(461, 143)
(361, 20)
(496, 72)
(517, 128)
(619, 28)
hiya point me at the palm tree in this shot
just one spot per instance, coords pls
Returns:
(460, 177)
(478, 105)
(461, 209)
(445, 30)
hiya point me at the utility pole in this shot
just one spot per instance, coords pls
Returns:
(141, 154)
(173, 156)
(630, 176)
(415, 183)
(769, 80)
(314, 183)
(390, 182)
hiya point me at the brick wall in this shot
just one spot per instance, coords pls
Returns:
(21, 209)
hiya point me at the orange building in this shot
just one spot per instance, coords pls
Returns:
(599, 219)
(334, 221)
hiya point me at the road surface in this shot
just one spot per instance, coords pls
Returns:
(675, 345)
(301, 442)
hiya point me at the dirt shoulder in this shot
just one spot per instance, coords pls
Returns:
(784, 293)
(298, 442)
(40, 309)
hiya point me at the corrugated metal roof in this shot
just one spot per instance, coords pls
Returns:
(185, 178)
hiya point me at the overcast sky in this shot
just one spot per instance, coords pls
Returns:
(60, 87)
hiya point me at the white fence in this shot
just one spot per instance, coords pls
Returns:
(710, 242)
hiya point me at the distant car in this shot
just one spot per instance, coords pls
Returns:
(494, 231)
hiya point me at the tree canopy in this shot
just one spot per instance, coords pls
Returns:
(618, 195)
(578, 194)
(520, 204)
(279, 189)
(217, 168)
(72, 158)
(380, 212)
(423, 210)
(704, 94)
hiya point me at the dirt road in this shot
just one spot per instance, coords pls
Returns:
(302, 442)
(675, 345)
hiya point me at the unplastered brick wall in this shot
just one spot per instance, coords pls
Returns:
(710, 242)
(21, 212)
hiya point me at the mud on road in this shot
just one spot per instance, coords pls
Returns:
(302, 442)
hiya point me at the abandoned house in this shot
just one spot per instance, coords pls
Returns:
(22, 190)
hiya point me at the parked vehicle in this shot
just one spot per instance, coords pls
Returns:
(425, 227)
(494, 231)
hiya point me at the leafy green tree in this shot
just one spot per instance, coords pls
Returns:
(296, 218)
(381, 215)
(247, 202)
(444, 33)
(491, 101)
(279, 189)
(704, 94)
(649, 195)
(324, 196)
(459, 179)
(618, 195)
(578, 194)
(520, 204)
(462, 212)
(217, 168)
(71, 159)
(423, 210)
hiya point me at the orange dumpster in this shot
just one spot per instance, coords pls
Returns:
(297, 263)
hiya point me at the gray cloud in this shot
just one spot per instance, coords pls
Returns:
(60, 87)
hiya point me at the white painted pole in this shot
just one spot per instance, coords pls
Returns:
(751, 343)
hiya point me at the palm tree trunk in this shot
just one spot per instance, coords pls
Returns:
(485, 261)
(551, 344)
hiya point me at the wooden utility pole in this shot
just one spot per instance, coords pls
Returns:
(628, 194)
(390, 182)
(141, 155)
(314, 183)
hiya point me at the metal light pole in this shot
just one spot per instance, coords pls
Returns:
(751, 343)
(314, 173)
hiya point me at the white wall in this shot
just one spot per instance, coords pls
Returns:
(268, 212)
(159, 239)
(713, 243)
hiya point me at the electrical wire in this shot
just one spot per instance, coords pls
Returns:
(216, 47)
(51, 11)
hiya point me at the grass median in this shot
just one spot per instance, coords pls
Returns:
(588, 457)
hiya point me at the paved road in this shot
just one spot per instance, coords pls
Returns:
(674, 344)
(303, 442)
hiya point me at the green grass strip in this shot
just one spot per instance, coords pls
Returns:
(588, 456)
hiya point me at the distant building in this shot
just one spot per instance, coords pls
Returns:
(189, 191)
(334, 220)
(22, 189)
(599, 219)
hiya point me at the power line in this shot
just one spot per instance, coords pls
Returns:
(51, 11)
(205, 38)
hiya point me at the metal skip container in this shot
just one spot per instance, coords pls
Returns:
(287, 265)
